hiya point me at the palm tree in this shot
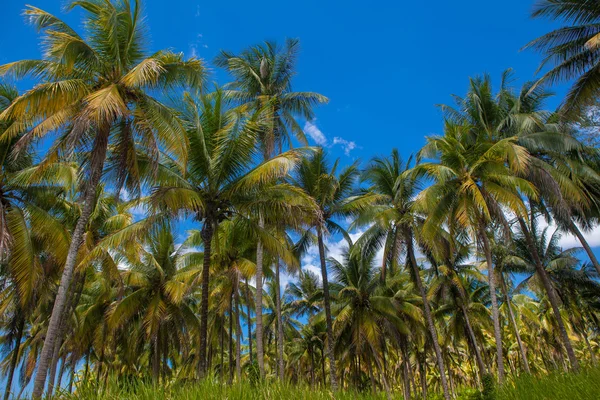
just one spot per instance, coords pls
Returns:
(393, 222)
(95, 89)
(364, 312)
(474, 179)
(263, 80)
(572, 51)
(28, 224)
(160, 285)
(331, 192)
(219, 182)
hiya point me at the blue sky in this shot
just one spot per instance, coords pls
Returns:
(383, 67)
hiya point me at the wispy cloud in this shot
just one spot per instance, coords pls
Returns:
(347, 145)
(193, 51)
(311, 129)
(317, 135)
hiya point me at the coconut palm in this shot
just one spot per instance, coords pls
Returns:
(364, 312)
(95, 90)
(263, 80)
(332, 194)
(474, 179)
(219, 181)
(393, 223)
(571, 51)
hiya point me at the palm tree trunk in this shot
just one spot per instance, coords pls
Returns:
(585, 245)
(427, 309)
(323, 375)
(207, 235)
(279, 322)
(312, 367)
(260, 356)
(473, 339)
(96, 167)
(405, 367)
(495, 312)
(222, 348)
(552, 297)
(238, 330)
(514, 324)
(61, 373)
(231, 339)
(590, 350)
(327, 304)
(15, 357)
(72, 377)
(422, 375)
(249, 320)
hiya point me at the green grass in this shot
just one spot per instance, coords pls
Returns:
(582, 386)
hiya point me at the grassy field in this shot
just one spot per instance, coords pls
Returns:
(583, 386)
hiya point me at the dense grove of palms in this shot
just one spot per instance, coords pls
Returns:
(148, 222)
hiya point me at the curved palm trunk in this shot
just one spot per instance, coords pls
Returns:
(495, 312)
(280, 360)
(207, 234)
(260, 356)
(327, 304)
(513, 321)
(585, 245)
(15, 358)
(96, 167)
(552, 297)
(427, 309)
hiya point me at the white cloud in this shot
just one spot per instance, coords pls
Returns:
(311, 129)
(346, 144)
(193, 51)
(568, 240)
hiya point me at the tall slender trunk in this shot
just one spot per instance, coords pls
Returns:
(71, 377)
(590, 350)
(279, 322)
(585, 245)
(427, 309)
(222, 348)
(249, 320)
(238, 331)
(513, 321)
(312, 366)
(422, 375)
(552, 297)
(495, 312)
(156, 358)
(473, 339)
(15, 357)
(327, 304)
(61, 373)
(207, 235)
(231, 371)
(96, 167)
(323, 376)
(260, 356)
(405, 367)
